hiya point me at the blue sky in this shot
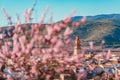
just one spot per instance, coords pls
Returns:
(59, 8)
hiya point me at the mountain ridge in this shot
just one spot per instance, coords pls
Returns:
(100, 27)
(98, 17)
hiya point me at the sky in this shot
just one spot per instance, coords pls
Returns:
(58, 8)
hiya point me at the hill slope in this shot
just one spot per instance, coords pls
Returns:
(101, 27)
(97, 28)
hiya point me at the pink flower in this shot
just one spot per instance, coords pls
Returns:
(15, 36)
(67, 20)
(49, 50)
(10, 61)
(16, 47)
(108, 55)
(41, 39)
(50, 30)
(1, 36)
(73, 13)
(62, 25)
(2, 55)
(57, 28)
(47, 37)
(35, 51)
(9, 33)
(33, 69)
(48, 76)
(56, 49)
(29, 46)
(67, 32)
(19, 54)
(91, 45)
(22, 40)
(28, 14)
(29, 11)
(9, 77)
(27, 51)
(43, 50)
(5, 49)
(7, 16)
(83, 19)
(13, 56)
(79, 23)
(9, 70)
(54, 40)
(68, 41)
(9, 43)
(76, 24)
(41, 21)
(59, 43)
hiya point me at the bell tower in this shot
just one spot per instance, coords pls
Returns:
(77, 47)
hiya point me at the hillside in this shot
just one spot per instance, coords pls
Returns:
(96, 28)
(101, 27)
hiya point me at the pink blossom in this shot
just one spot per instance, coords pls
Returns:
(56, 49)
(2, 55)
(67, 32)
(73, 13)
(67, 20)
(7, 16)
(9, 77)
(83, 20)
(22, 40)
(76, 24)
(33, 69)
(15, 36)
(47, 37)
(68, 41)
(54, 40)
(108, 55)
(10, 61)
(50, 30)
(28, 14)
(62, 25)
(91, 45)
(48, 76)
(57, 27)
(1, 36)
(5, 49)
(59, 43)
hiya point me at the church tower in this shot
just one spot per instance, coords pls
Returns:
(77, 47)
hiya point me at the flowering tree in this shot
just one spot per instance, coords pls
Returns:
(38, 42)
